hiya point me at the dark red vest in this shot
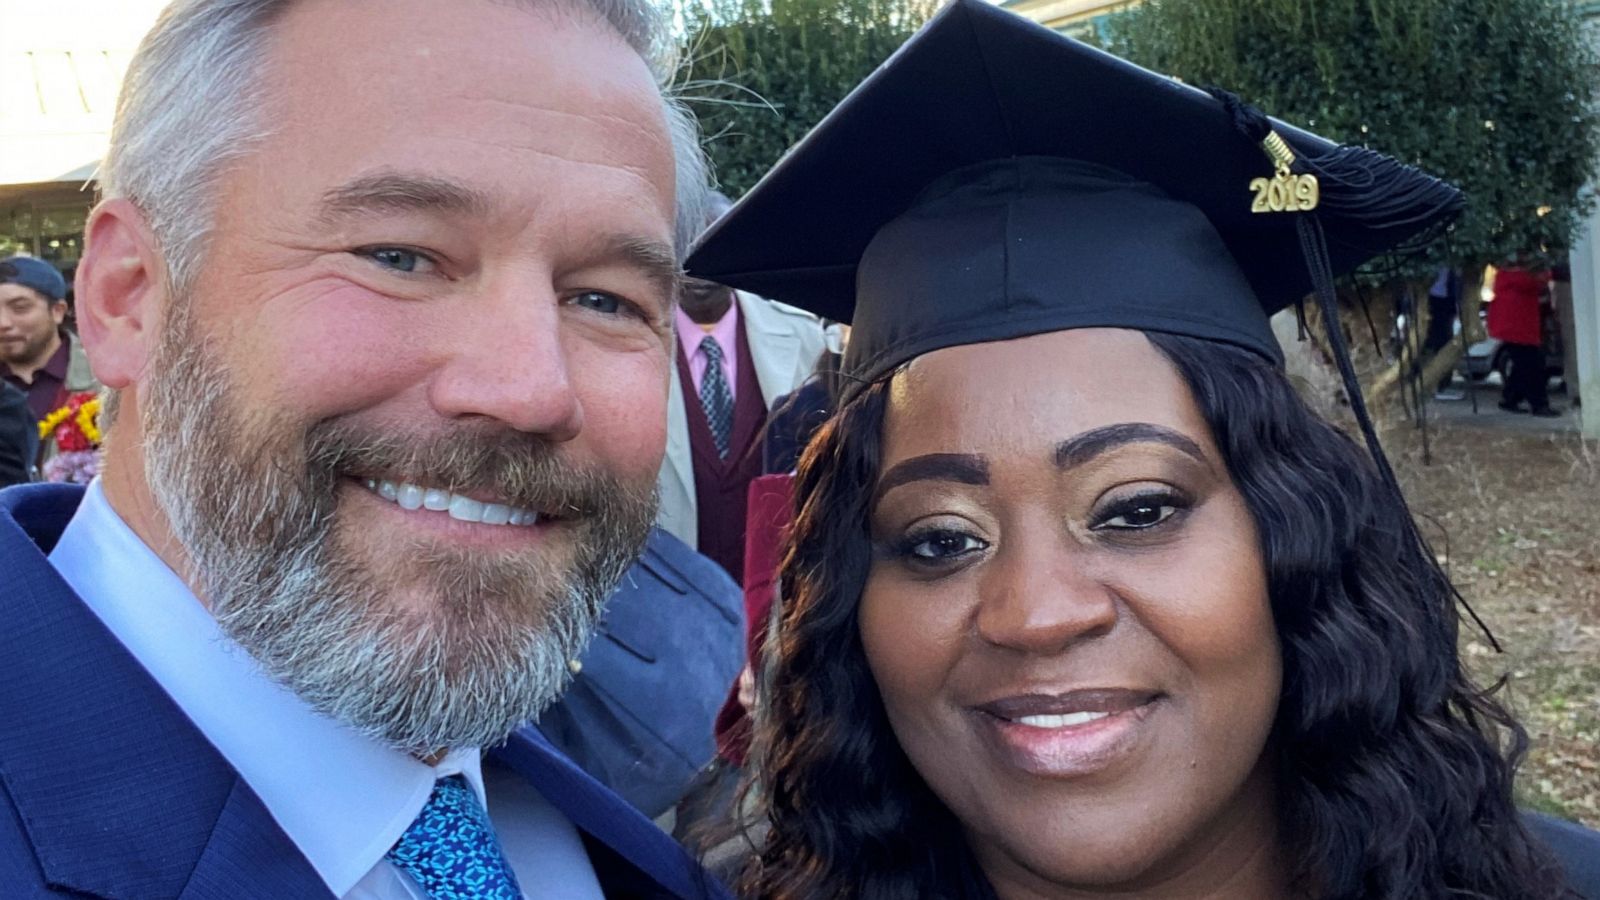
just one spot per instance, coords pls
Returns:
(721, 485)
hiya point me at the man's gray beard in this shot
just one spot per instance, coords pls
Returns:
(440, 647)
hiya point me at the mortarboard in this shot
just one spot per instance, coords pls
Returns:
(994, 179)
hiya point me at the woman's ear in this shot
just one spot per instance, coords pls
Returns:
(121, 289)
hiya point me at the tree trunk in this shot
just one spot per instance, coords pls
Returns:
(1432, 370)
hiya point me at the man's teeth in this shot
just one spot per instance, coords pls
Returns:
(1065, 721)
(466, 509)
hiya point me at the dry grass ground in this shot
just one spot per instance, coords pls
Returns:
(1521, 511)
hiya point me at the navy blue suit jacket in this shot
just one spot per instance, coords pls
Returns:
(107, 789)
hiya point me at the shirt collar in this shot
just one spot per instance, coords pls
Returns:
(341, 797)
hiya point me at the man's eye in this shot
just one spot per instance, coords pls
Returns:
(398, 259)
(605, 304)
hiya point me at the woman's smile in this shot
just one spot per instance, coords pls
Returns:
(1070, 735)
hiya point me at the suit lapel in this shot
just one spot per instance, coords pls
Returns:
(652, 864)
(773, 347)
(120, 794)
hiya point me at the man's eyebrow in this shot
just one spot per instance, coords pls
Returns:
(962, 468)
(1076, 451)
(398, 192)
(654, 258)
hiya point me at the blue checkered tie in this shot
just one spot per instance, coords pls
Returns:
(716, 398)
(451, 852)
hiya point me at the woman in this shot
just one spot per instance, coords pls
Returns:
(1083, 601)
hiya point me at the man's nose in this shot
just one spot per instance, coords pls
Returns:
(511, 363)
(1040, 596)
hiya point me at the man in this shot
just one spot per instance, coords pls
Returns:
(1444, 298)
(737, 354)
(38, 355)
(385, 300)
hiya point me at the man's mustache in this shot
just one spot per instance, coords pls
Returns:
(515, 468)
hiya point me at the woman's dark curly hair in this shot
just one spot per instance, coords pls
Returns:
(1394, 770)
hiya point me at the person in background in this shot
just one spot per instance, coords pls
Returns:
(1082, 599)
(383, 299)
(795, 419)
(37, 353)
(19, 437)
(737, 354)
(1516, 318)
(1444, 300)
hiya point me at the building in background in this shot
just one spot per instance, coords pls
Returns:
(1082, 19)
(61, 66)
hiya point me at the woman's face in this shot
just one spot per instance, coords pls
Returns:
(1067, 615)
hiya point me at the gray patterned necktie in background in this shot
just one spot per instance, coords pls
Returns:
(716, 398)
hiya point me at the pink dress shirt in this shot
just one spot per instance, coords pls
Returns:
(726, 332)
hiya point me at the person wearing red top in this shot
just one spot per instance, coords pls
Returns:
(1515, 319)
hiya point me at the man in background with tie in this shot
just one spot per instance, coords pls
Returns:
(737, 354)
(384, 301)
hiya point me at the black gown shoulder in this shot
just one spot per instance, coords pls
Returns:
(1577, 849)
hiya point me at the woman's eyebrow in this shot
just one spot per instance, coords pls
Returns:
(962, 468)
(1076, 451)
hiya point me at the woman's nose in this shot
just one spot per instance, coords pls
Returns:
(1040, 597)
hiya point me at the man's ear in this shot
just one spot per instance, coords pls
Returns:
(121, 291)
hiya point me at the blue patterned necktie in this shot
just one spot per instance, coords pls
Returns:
(716, 398)
(451, 852)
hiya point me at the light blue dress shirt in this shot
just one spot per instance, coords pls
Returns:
(341, 797)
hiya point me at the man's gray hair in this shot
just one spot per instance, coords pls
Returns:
(192, 98)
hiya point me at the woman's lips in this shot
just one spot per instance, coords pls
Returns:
(1068, 735)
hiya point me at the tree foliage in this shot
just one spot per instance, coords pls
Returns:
(761, 73)
(1496, 96)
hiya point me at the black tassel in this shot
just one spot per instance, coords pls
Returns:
(1362, 186)
(1314, 247)
(1379, 193)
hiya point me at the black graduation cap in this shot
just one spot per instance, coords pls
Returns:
(995, 179)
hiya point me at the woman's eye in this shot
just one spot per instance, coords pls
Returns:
(398, 259)
(604, 303)
(1139, 513)
(941, 545)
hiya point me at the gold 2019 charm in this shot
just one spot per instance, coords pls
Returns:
(1285, 193)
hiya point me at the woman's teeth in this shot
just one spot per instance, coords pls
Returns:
(1063, 721)
(465, 509)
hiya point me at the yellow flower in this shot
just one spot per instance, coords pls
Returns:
(49, 423)
(87, 423)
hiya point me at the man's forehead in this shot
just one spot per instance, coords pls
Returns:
(11, 291)
(494, 95)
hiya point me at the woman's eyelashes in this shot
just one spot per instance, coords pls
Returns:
(1142, 510)
(937, 546)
